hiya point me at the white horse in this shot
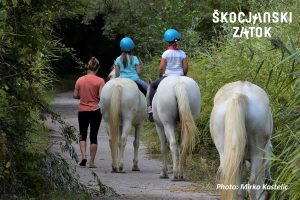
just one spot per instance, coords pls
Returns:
(241, 126)
(177, 99)
(122, 106)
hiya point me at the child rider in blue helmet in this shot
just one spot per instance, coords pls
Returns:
(127, 65)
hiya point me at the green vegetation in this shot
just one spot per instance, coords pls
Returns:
(273, 64)
(27, 48)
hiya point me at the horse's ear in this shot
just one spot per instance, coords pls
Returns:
(112, 73)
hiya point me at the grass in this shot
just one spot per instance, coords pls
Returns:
(150, 137)
(65, 195)
(202, 171)
(53, 195)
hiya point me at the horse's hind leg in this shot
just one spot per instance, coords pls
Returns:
(136, 144)
(182, 162)
(268, 162)
(114, 163)
(257, 175)
(162, 139)
(169, 131)
(114, 156)
(123, 140)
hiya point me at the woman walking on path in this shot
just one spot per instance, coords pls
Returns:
(127, 65)
(88, 89)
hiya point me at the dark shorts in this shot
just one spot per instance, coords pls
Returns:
(92, 119)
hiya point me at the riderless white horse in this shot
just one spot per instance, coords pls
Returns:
(177, 100)
(241, 126)
(122, 106)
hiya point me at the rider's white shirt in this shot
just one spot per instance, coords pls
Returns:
(174, 62)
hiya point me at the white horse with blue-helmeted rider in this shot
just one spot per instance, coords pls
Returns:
(241, 127)
(123, 105)
(177, 101)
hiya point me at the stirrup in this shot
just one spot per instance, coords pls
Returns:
(149, 109)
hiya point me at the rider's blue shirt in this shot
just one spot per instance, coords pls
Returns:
(130, 70)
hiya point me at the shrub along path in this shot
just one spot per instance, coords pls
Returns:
(145, 184)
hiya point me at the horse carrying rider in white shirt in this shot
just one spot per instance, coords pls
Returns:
(173, 63)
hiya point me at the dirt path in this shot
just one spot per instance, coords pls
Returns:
(145, 184)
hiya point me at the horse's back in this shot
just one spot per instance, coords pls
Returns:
(258, 114)
(133, 103)
(129, 91)
(246, 88)
(165, 102)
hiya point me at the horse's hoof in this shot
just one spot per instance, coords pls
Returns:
(164, 176)
(136, 169)
(174, 179)
(114, 170)
(177, 179)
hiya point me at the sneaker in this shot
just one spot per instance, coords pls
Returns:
(149, 109)
(83, 163)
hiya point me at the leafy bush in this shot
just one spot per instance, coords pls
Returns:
(27, 48)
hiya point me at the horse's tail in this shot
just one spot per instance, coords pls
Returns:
(235, 139)
(188, 126)
(114, 119)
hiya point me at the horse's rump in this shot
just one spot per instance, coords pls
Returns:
(130, 95)
(165, 101)
(241, 124)
(122, 105)
(258, 112)
(177, 99)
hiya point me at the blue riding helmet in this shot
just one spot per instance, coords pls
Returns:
(171, 35)
(126, 44)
